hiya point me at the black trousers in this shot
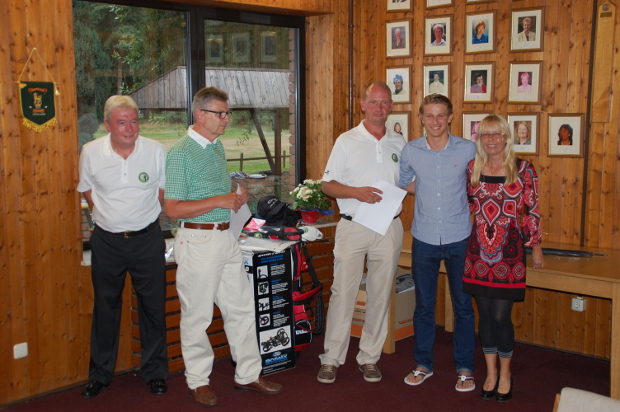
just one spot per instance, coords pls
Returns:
(143, 257)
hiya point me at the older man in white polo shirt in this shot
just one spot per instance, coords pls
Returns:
(122, 177)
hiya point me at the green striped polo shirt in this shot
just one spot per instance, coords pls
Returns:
(194, 173)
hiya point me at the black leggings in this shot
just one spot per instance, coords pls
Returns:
(497, 333)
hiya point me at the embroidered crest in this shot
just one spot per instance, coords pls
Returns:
(144, 177)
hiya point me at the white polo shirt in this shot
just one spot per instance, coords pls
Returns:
(125, 191)
(358, 158)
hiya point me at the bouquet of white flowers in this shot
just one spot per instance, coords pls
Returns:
(309, 195)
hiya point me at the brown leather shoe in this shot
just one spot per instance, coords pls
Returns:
(261, 385)
(203, 395)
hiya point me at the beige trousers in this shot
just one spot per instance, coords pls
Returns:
(353, 243)
(210, 271)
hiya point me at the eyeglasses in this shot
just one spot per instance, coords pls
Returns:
(493, 135)
(222, 115)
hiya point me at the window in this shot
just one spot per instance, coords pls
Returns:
(157, 54)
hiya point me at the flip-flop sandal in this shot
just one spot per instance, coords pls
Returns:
(425, 375)
(463, 379)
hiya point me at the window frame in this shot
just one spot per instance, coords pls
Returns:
(196, 57)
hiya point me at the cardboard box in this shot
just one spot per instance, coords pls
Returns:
(403, 322)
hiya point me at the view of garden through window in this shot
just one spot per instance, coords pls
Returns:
(142, 52)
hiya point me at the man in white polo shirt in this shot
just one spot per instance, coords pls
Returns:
(359, 156)
(122, 177)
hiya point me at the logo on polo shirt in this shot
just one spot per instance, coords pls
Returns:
(144, 177)
(395, 157)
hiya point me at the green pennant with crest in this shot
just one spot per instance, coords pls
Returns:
(38, 105)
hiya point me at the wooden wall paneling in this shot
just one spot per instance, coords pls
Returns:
(602, 213)
(603, 138)
(319, 93)
(597, 160)
(69, 252)
(589, 344)
(289, 7)
(11, 239)
(551, 211)
(602, 330)
(50, 291)
(341, 75)
(538, 326)
(28, 214)
(569, 324)
(523, 317)
(603, 48)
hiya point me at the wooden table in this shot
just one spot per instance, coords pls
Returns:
(597, 276)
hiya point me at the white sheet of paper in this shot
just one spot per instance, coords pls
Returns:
(238, 219)
(378, 216)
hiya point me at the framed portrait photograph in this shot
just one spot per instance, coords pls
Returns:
(524, 128)
(527, 29)
(566, 134)
(480, 33)
(268, 46)
(399, 123)
(525, 83)
(438, 35)
(398, 5)
(241, 47)
(397, 39)
(439, 3)
(479, 82)
(471, 122)
(437, 79)
(398, 80)
(215, 48)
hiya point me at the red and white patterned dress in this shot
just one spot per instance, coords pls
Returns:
(506, 219)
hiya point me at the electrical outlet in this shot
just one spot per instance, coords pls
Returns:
(578, 304)
(20, 350)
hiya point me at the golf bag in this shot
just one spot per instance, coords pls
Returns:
(302, 301)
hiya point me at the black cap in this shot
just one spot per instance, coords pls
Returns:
(268, 206)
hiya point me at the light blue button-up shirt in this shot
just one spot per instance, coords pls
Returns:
(441, 209)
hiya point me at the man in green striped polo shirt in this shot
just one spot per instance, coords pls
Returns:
(210, 265)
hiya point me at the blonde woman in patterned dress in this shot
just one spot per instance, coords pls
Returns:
(503, 197)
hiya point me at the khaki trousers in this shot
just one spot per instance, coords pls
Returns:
(353, 243)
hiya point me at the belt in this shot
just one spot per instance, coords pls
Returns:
(206, 226)
(347, 217)
(131, 233)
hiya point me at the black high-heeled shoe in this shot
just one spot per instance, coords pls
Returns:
(504, 397)
(489, 394)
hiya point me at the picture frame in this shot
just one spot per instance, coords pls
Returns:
(437, 79)
(438, 36)
(401, 93)
(241, 47)
(476, 42)
(398, 38)
(430, 4)
(525, 83)
(525, 126)
(398, 5)
(215, 48)
(471, 121)
(527, 29)
(566, 126)
(268, 47)
(399, 122)
(476, 91)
